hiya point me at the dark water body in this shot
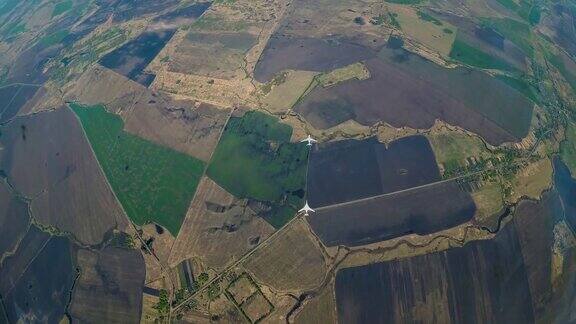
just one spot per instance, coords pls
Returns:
(348, 170)
(133, 57)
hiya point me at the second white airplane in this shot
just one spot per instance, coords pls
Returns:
(310, 140)
(306, 209)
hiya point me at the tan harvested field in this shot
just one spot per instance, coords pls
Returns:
(283, 96)
(532, 180)
(213, 60)
(431, 35)
(489, 201)
(321, 309)
(456, 147)
(282, 306)
(241, 289)
(356, 71)
(109, 287)
(149, 313)
(225, 93)
(292, 261)
(218, 228)
(100, 85)
(55, 167)
(256, 307)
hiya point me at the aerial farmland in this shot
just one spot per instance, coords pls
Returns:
(287, 161)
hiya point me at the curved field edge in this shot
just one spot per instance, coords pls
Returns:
(153, 183)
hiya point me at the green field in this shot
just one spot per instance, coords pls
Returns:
(62, 7)
(568, 149)
(522, 86)
(153, 183)
(516, 31)
(468, 54)
(255, 159)
(54, 38)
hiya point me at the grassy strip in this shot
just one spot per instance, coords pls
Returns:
(255, 159)
(153, 183)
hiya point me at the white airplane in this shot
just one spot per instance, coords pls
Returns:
(306, 209)
(309, 139)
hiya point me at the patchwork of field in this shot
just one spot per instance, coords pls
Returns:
(440, 287)
(309, 54)
(453, 95)
(109, 287)
(481, 45)
(349, 170)
(54, 167)
(513, 273)
(321, 36)
(255, 160)
(388, 216)
(152, 182)
(560, 25)
(132, 58)
(183, 125)
(218, 228)
(292, 261)
(32, 288)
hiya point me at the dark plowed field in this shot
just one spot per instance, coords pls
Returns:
(12, 99)
(132, 58)
(14, 219)
(503, 280)
(349, 170)
(483, 282)
(406, 90)
(421, 211)
(110, 286)
(43, 288)
(46, 156)
(13, 266)
(310, 54)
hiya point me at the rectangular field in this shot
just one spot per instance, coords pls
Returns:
(421, 210)
(348, 170)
